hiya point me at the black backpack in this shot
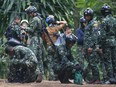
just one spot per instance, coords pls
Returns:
(8, 32)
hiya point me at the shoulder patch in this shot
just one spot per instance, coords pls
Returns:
(95, 24)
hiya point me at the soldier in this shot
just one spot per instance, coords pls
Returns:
(68, 68)
(90, 42)
(80, 36)
(13, 31)
(63, 64)
(108, 41)
(70, 40)
(36, 43)
(50, 37)
(23, 65)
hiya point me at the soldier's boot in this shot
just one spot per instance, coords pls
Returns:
(39, 78)
(85, 73)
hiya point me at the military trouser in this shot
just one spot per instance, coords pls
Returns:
(50, 61)
(80, 56)
(36, 47)
(68, 71)
(62, 53)
(65, 73)
(109, 56)
(113, 57)
(55, 56)
(22, 73)
(69, 54)
(92, 60)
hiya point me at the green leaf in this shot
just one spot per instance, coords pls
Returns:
(23, 5)
(51, 7)
(54, 1)
(9, 6)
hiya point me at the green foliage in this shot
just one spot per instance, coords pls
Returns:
(61, 9)
(69, 10)
(94, 4)
(4, 61)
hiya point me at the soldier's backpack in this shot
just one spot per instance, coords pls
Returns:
(78, 78)
(13, 42)
(8, 32)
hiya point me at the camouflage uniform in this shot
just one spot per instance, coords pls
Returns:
(80, 49)
(90, 41)
(63, 64)
(13, 31)
(23, 65)
(66, 69)
(52, 50)
(70, 40)
(108, 44)
(36, 43)
(80, 38)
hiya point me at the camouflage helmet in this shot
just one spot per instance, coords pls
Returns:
(24, 21)
(105, 10)
(31, 9)
(88, 12)
(50, 19)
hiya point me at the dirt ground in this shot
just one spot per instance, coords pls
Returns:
(3, 83)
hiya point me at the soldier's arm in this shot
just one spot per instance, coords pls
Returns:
(17, 30)
(93, 30)
(35, 24)
(61, 24)
(102, 30)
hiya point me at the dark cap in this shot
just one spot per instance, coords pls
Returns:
(8, 49)
(17, 17)
(69, 26)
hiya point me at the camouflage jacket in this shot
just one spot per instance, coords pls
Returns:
(91, 34)
(108, 31)
(13, 31)
(35, 25)
(24, 56)
(53, 31)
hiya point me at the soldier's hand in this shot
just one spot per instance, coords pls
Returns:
(61, 22)
(27, 63)
(90, 50)
(100, 51)
(14, 61)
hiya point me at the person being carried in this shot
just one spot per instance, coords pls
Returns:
(13, 31)
(50, 36)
